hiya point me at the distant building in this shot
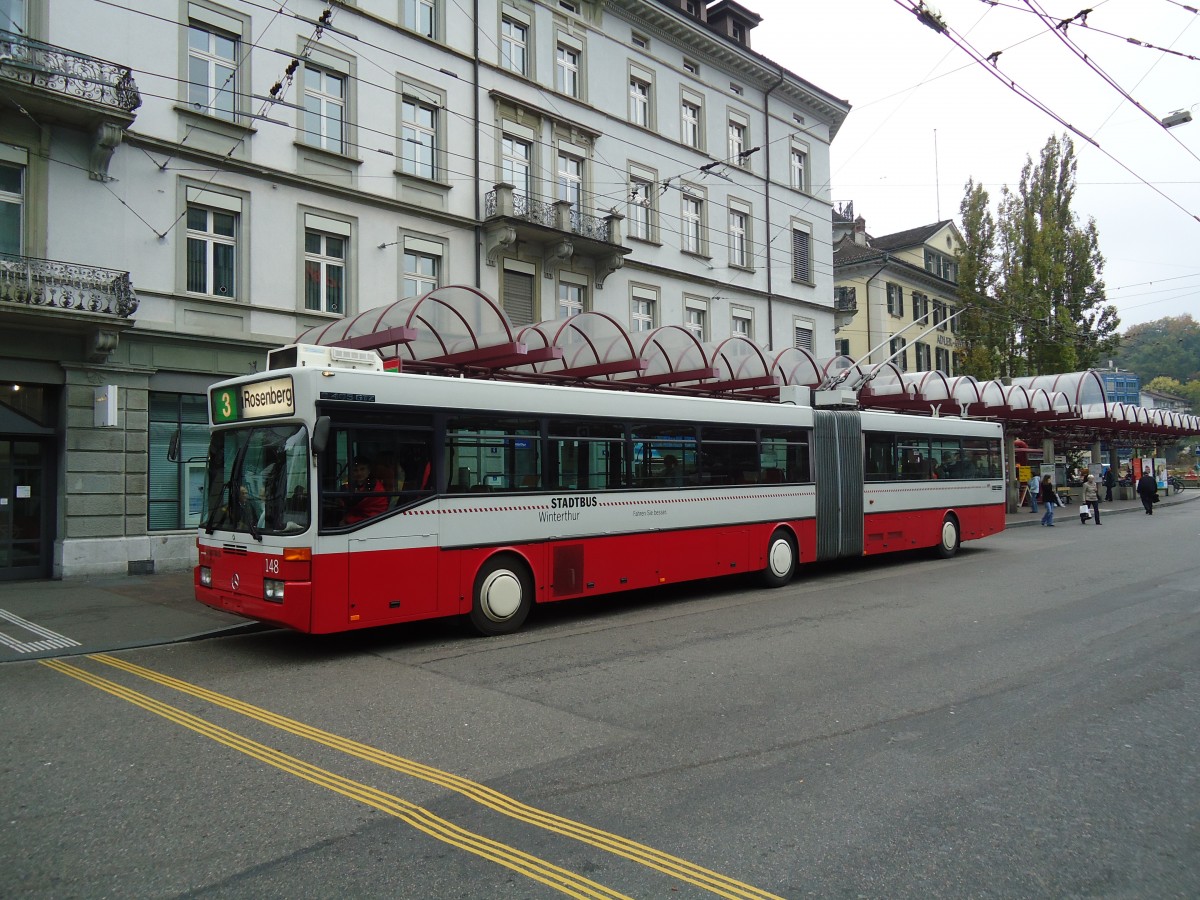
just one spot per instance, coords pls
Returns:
(1159, 400)
(1121, 387)
(891, 282)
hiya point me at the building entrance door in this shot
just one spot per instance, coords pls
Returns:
(26, 509)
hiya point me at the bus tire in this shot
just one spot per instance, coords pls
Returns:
(502, 597)
(949, 538)
(781, 559)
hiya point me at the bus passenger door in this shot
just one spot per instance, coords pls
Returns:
(393, 579)
(838, 460)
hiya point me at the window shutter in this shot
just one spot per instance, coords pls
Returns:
(518, 297)
(804, 338)
(801, 270)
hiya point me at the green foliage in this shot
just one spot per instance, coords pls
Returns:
(1167, 347)
(1034, 277)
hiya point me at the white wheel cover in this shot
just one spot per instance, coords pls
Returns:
(500, 595)
(781, 558)
(949, 535)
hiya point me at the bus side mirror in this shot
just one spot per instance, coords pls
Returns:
(320, 435)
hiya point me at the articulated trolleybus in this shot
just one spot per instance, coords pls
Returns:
(342, 496)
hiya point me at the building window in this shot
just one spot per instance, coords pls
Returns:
(515, 157)
(802, 335)
(212, 72)
(696, 319)
(895, 299)
(898, 348)
(801, 255)
(693, 224)
(570, 181)
(739, 32)
(324, 272)
(567, 73)
(211, 251)
(736, 88)
(942, 360)
(939, 315)
(690, 124)
(639, 41)
(644, 308)
(418, 139)
(738, 251)
(513, 37)
(639, 102)
(422, 273)
(324, 109)
(641, 209)
(737, 143)
(841, 346)
(12, 209)
(742, 324)
(176, 488)
(941, 265)
(420, 16)
(571, 299)
(920, 306)
(690, 67)
(799, 169)
(922, 356)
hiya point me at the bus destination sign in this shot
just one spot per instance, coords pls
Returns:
(259, 400)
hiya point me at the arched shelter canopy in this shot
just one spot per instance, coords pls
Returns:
(926, 390)
(741, 365)
(797, 366)
(673, 356)
(449, 327)
(1084, 390)
(591, 345)
(883, 385)
(964, 391)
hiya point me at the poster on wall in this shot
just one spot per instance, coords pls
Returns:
(1160, 472)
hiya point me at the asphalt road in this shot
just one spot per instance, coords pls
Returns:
(1020, 721)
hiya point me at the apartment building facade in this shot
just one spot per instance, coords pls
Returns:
(186, 186)
(903, 288)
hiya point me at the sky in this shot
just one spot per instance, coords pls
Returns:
(926, 117)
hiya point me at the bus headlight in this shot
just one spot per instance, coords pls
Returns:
(205, 576)
(273, 590)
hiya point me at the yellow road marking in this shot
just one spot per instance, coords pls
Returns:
(526, 864)
(678, 868)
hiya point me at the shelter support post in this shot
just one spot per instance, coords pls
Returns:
(1012, 484)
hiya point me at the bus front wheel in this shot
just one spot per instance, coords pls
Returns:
(781, 560)
(503, 596)
(949, 540)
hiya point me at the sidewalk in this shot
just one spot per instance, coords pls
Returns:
(93, 615)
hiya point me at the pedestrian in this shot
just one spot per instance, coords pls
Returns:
(1049, 498)
(1091, 496)
(1110, 482)
(1147, 488)
(1034, 486)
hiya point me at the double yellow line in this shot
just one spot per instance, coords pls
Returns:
(532, 867)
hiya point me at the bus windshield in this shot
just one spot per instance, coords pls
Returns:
(257, 481)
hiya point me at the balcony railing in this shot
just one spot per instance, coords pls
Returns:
(51, 284)
(540, 212)
(845, 299)
(65, 72)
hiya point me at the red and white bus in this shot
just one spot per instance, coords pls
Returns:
(342, 496)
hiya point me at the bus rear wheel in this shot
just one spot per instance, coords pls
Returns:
(503, 596)
(949, 540)
(781, 560)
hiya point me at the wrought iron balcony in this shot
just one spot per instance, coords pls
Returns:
(58, 85)
(66, 72)
(52, 284)
(845, 299)
(558, 227)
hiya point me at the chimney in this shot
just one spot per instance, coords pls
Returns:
(860, 231)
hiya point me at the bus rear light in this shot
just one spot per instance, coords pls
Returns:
(205, 576)
(297, 554)
(273, 590)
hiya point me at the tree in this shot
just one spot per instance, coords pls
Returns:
(1041, 304)
(1169, 347)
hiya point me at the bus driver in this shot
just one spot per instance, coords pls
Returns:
(371, 503)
